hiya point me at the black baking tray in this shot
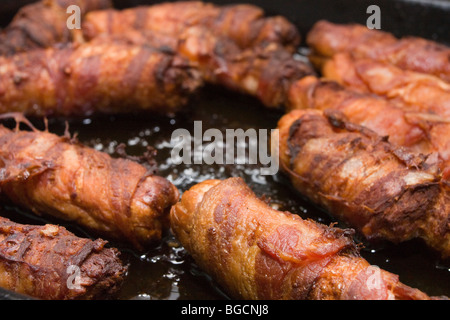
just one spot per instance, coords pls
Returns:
(167, 272)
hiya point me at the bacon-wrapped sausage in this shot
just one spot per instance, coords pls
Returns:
(373, 112)
(117, 198)
(44, 24)
(245, 24)
(49, 262)
(409, 53)
(415, 91)
(95, 78)
(419, 132)
(358, 177)
(256, 252)
(265, 71)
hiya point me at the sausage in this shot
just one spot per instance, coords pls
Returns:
(408, 53)
(264, 71)
(114, 197)
(234, 46)
(384, 192)
(256, 252)
(420, 133)
(95, 78)
(243, 23)
(414, 91)
(48, 262)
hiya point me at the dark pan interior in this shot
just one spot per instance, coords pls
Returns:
(167, 271)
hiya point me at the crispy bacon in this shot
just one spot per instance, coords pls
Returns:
(117, 198)
(235, 46)
(95, 78)
(381, 191)
(414, 91)
(373, 112)
(409, 53)
(256, 252)
(418, 132)
(253, 56)
(263, 71)
(38, 261)
(245, 24)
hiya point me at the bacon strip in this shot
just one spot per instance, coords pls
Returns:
(265, 71)
(256, 252)
(418, 132)
(117, 198)
(370, 111)
(357, 176)
(38, 261)
(245, 24)
(234, 46)
(409, 53)
(95, 78)
(414, 91)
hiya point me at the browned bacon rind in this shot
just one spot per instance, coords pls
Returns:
(95, 78)
(383, 192)
(419, 132)
(409, 53)
(114, 197)
(370, 111)
(233, 46)
(245, 24)
(256, 252)
(264, 71)
(413, 91)
(38, 261)
(44, 24)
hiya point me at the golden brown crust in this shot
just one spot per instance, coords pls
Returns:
(245, 24)
(82, 80)
(38, 261)
(416, 92)
(375, 113)
(265, 71)
(424, 99)
(256, 252)
(383, 192)
(409, 53)
(419, 132)
(234, 46)
(117, 198)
